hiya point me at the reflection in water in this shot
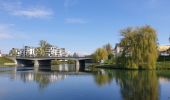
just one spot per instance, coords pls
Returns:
(42, 78)
(114, 84)
(138, 85)
(103, 77)
(64, 67)
(134, 85)
(43, 75)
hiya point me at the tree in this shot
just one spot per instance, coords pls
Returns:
(13, 52)
(139, 48)
(109, 48)
(75, 54)
(39, 52)
(43, 46)
(100, 54)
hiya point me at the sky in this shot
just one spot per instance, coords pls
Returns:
(78, 25)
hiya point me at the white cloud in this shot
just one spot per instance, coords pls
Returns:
(33, 13)
(17, 9)
(75, 21)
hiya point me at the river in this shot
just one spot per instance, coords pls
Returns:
(63, 82)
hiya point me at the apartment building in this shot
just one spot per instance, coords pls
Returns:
(53, 51)
(28, 51)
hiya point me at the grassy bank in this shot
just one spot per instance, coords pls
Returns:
(159, 66)
(163, 65)
(164, 73)
(4, 61)
(108, 66)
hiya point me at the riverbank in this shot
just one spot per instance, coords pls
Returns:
(159, 66)
(6, 62)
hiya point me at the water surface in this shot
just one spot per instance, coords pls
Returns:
(65, 83)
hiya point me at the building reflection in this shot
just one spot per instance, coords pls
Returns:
(43, 75)
(43, 79)
(64, 68)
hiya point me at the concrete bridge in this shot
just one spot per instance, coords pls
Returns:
(46, 61)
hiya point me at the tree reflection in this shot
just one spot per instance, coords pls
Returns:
(103, 77)
(43, 79)
(134, 85)
(138, 85)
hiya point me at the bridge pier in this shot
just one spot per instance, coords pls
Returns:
(80, 65)
(36, 63)
(77, 65)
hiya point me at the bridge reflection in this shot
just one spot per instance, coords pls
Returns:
(43, 77)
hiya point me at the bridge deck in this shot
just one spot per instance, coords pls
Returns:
(54, 58)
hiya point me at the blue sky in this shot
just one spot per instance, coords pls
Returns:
(78, 25)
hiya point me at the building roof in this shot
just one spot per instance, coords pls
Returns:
(163, 47)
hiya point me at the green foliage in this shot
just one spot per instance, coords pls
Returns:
(40, 52)
(13, 52)
(139, 48)
(5, 60)
(163, 65)
(108, 48)
(70, 62)
(100, 54)
(110, 61)
(55, 62)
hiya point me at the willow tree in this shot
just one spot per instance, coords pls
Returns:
(100, 54)
(139, 48)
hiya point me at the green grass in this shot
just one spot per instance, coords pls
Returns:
(5, 60)
(163, 65)
(164, 73)
(159, 66)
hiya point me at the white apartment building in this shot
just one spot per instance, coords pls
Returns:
(28, 51)
(51, 51)
(54, 51)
